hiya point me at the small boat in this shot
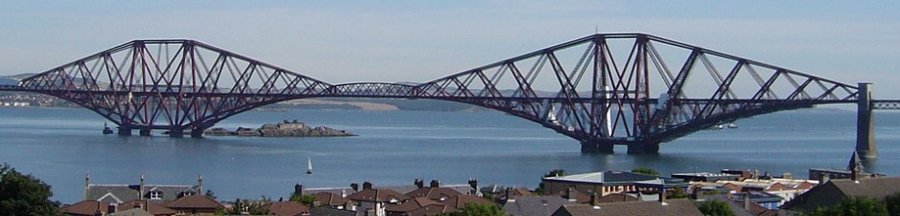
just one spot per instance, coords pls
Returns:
(732, 125)
(106, 129)
(308, 166)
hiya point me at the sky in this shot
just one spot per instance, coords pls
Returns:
(418, 41)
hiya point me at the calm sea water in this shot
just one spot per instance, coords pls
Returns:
(60, 145)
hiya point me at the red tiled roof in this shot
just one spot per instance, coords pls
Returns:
(86, 207)
(330, 199)
(376, 195)
(410, 205)
(288, 209)
(152, 208)
(434, 193)
(461, 201)
(430, 210)
(195, 202)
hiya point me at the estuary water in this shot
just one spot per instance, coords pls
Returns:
(60, 145)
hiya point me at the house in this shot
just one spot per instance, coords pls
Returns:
(332, 200)
(534, 205)
(372, 202)
(409, 205)
(93, 207)
(836, 190)
(195, 205)
(118, 193)
(766, 200)
(675, 207)
(609, 182)
(434, 192)
(288, 208)
(325, 211)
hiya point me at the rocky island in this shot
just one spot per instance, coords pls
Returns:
(283, 129)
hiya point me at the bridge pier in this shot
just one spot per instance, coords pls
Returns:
(176, 133)
(643, 148)
(596, 147)
(144, 132)
(197, 133)
(124, 131)
(865, 134)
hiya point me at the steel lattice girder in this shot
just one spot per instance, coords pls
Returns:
(606, 88)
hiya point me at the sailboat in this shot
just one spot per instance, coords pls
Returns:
(308, 166)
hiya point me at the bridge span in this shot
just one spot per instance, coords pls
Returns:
(603, 90)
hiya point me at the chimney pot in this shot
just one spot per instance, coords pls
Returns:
(298, 189)
(419, 183)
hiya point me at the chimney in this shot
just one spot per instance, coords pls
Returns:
(570, 194)
(825, 178)
(200, 185)
(595, 199)
(367, 185)
(141, 188)
(509, 195)
(855, 167)
(343, 193)
(662, 194)
(474, 184)
(355, 187)
(747, 200)
(419, 183)
(435, 183)
(87, 183)
(298, 189)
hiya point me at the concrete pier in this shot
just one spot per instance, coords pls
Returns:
(124, 131)
(865, 134)
(144, 132)
(176, 133)
(197, 133)
(643, 148)
(596, 147)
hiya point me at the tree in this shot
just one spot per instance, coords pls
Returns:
(715, 208)
(305, 199)
(678, 193)
(473, 209)
(210, 194)
(858, 206)
(645, 170)
(251, 207)
(555, 173)
(24, 194)
(892, 203)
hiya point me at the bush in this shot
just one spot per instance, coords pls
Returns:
(715, 208)
(858, 206)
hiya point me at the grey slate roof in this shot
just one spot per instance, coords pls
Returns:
(613, 178)
(675, 207)
(534, 205)
(123, 193)
(402, 189)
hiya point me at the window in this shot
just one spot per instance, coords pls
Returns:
(155, 195)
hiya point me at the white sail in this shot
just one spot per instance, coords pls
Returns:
(308, 165)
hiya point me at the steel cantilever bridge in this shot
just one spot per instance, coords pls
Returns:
(605, 89)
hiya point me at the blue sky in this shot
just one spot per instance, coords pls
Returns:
(422, 40)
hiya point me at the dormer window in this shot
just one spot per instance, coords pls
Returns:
(156, 195)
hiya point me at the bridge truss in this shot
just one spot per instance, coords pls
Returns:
(603, 90)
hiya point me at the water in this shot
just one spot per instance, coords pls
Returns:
(60, 145)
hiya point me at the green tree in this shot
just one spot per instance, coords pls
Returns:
(645, 170)
(678, 193)
(473, 209)
(715, 208)
(251, 207)
(555, 173)
(305, 199)
(24, 194)
(892, 203)
(858, 206)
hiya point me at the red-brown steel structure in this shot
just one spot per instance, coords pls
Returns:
(602, 89)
